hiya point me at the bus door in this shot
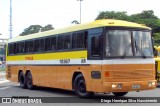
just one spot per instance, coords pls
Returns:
(95, 58)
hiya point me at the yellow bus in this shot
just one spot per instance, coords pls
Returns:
(104, 56)
(157, 62)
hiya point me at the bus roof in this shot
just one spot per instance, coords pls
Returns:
(94, 24)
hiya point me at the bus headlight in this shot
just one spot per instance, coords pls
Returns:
(113, 86)
(117, 86)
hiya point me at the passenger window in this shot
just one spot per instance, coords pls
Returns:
(53, 43)
(31, 46)
(39, 45)
(95, 46)
(36, 46)
(50, 44)
(64, 42)
(20, 47)
(27, 43)
(79, 40)
(12, 48)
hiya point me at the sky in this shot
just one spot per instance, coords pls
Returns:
(60, 13)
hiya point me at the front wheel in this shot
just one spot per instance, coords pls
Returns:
(80, 87)
(120, 93)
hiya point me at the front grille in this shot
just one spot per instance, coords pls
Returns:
(132, 74)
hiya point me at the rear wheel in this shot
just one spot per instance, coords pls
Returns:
(22, 80)
(80, 87)
(29, 81)
(120, 93)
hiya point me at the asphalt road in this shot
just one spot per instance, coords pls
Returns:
(10, 89)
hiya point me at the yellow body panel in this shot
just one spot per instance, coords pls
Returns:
(61, 76)
(49, 56)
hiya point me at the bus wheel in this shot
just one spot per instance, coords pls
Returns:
(22, 80)
(80, 87)
(29, 81)
(120, 93)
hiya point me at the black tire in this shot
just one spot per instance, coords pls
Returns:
(29, 81)
(80, 87)
(119, 93)
(22, 80)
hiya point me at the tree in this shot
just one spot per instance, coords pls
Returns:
(31, 29)
(146, 17)
(112, 15)
(47, 27)
(75, 22)
(35, 29)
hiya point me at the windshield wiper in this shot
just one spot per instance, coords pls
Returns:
(141, 52)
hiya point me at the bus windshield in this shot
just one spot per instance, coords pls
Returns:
(122, 43)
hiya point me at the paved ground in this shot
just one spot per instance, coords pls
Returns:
(10, 89)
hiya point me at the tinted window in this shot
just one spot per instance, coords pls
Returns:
(20, 47)
(64, 42)
(29, 46)
(50, 44)
(39, 45)
(53, 43)
(95, 46)
(12, 48)
(79, 40)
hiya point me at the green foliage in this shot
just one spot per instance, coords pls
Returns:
(47, 27)
(146, 17)
(75, 22)
(156, 39)
(112, 15)
(31, 29)
(35, 29)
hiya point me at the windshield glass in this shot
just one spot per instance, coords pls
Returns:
(143, 44)
(122, 43)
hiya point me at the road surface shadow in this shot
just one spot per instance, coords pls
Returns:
(66, 96)
(65, 93)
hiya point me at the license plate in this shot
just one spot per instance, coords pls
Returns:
(136, 86)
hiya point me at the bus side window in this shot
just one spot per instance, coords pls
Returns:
(12, 48)
(79, 40)
(27, 46)
(36, 46)
(48, 44)
(95, 46)
(20, 47)
(31, 46)
(64, 42)
(41, 45)
(53, 43)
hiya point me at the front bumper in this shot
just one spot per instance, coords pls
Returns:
(129, 86)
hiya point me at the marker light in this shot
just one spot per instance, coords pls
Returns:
(106, 74)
